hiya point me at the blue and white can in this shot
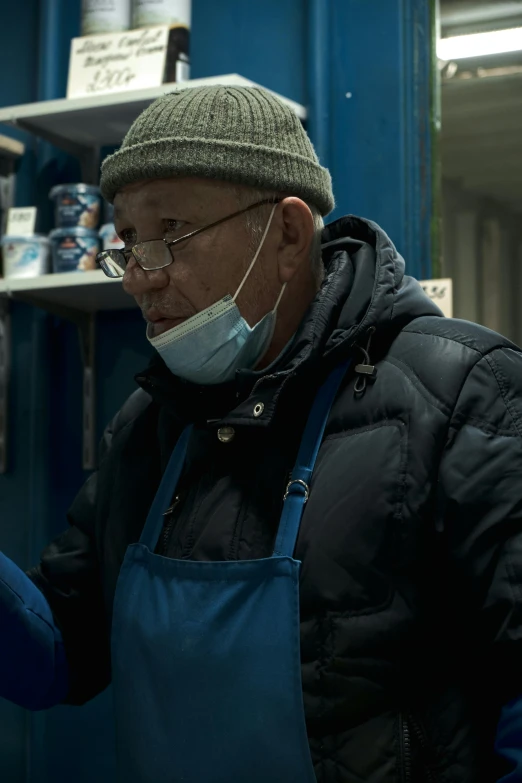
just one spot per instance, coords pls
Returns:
(74, 249)
(76, 205)
(25, 256)
(109, 238)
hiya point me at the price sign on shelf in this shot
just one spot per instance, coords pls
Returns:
(441, 291)
(114, 62)
(21, 221)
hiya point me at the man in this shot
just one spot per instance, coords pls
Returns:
(307, 404)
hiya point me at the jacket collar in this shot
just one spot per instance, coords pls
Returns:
(364, 291)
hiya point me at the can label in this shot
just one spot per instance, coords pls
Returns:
(146, 13)
(105, 16)
(25, 259)
(80, 210)
(75, 254)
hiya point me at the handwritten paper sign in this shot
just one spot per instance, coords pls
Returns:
(114, 62)
(441, 291)
(21, 221)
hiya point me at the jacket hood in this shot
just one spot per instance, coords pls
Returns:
(365, 291)
(367, 278)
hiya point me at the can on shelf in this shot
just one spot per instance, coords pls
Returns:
(74, 249)
(146, 13)
(175, 13)
(76, 205)
(109, 238)
(105, 16)
(26, 256)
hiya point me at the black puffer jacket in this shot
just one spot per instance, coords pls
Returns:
(411, 542)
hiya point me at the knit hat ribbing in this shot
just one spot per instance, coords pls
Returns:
(243, 135)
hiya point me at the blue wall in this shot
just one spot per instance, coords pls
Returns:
(15, 489)
(371, 105)
(45, 469)
(313, 52)
(263, 40)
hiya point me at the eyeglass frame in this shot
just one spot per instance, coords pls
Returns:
(125, 252)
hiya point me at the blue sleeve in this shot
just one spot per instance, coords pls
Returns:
(33, 667)
(509, 740)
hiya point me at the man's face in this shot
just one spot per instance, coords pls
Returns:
(205, 268)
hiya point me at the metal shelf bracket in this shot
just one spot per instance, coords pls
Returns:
(87, 334)
(86, 323)
(10, 152)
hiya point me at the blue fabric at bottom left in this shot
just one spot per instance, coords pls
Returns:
(509, 740)
(33, 666)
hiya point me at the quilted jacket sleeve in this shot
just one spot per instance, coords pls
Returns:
(480, 483)
(69, 577)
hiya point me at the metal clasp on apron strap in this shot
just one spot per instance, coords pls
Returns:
(298, 488)
(300, 484)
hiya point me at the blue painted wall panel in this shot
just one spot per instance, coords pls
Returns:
(23, 495)
(367, 112)
(379, 151)
(370, 77)
(264, 40)
(19, 51)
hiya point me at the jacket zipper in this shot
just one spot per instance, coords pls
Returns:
(426, 752)
(409, 726)
(167, 526)
(406, 750)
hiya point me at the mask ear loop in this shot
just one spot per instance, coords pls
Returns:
(265, 232)
(279, 298)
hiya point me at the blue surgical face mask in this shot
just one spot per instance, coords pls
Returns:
(209, 347)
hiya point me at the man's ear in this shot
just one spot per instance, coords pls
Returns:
(297, 233)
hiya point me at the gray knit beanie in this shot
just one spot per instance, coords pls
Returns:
(243, 135)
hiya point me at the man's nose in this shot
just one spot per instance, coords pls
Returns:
(136, 281)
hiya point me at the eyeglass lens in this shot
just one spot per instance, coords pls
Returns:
(113, 263)
(153, 254)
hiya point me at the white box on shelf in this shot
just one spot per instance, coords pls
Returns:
(117, 62)
(21, 221)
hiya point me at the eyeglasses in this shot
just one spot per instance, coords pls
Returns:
(157, 253)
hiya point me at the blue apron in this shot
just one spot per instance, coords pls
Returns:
(206, 662)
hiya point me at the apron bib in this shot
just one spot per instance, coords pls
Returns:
(206, 666)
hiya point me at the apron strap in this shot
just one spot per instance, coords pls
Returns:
(298, 489)
(154, 524)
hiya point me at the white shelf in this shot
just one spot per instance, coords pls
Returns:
(78, 125)
(86, 292)
(10, 148)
